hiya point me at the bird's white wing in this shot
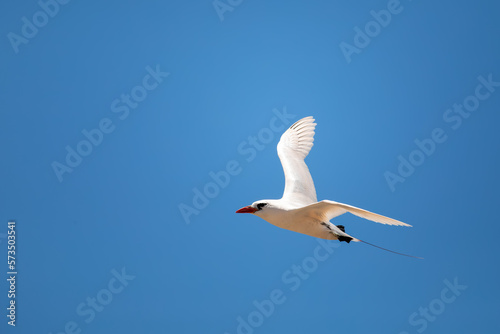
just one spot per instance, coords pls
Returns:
(326, 210)
(293, 147)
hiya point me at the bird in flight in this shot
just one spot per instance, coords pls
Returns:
(298, 210)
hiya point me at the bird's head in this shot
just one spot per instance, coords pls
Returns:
(257, 208)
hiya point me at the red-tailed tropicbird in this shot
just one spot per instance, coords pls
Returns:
(298, 210)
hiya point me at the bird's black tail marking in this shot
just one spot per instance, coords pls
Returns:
(341, 237)
(346, 239)
(417, 257)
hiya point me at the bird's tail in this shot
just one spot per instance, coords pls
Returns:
(359, 240)
(342, 236)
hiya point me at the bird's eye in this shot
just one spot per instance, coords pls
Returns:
(261, 205)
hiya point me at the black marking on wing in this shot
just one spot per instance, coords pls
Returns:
(326, 225)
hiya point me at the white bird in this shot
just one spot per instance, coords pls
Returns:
(298, 210)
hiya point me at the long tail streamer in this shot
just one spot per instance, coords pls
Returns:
(416, 257)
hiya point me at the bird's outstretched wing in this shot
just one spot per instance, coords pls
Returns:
(293, 147)
(326, 210)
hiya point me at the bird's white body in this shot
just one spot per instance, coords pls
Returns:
(298, 210)
(294, 218)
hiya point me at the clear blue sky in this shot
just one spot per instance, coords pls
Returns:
(175, 90)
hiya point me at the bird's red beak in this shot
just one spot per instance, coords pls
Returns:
(246, 209)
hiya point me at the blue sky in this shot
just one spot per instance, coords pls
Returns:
(155, 99)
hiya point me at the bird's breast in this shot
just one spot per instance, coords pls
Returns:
(304, 225)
